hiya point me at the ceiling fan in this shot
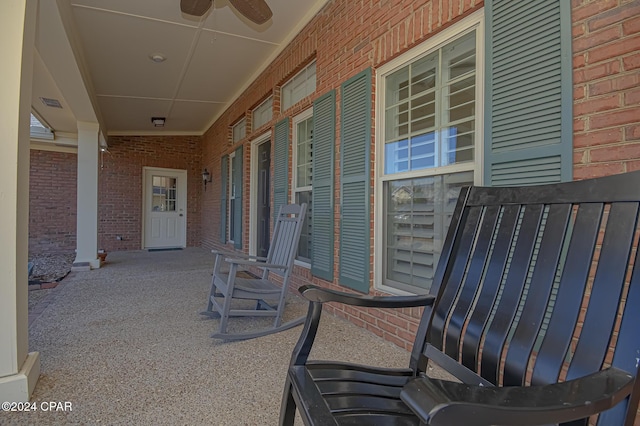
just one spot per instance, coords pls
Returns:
(255, 10)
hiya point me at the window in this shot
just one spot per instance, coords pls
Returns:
(430, 129)
(39, 130)
(232, 196)
(418, 211)
(303, 177)
(301, 85)
(239, 130)
(164, 194)
(262, 114)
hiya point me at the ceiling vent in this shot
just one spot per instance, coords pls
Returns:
(53, 103)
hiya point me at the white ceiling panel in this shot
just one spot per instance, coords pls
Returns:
(119, 60)
(185, 116)
(220, 65)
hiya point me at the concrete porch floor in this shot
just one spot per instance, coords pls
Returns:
(125, 344)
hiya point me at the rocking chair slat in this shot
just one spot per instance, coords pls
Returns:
(539, 292)
(555, 345)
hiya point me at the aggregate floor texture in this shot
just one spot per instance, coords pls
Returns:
(124, 344)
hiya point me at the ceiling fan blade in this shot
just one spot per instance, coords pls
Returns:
(255, 10)
(195, 7)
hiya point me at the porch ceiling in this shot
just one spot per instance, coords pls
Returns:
(96, 55)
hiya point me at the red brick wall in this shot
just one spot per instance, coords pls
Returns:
(52, 202)
(348, 37)
(120, 185)
(606, 60)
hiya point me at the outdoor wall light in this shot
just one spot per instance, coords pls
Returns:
(206, 178)
(158, 121)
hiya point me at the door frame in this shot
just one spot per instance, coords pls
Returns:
(182, 202)
(253, 191)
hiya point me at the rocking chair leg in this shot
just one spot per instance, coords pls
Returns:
(213, 292)
(226, 304)
(278, 320)
(288, 409)
(224, 317)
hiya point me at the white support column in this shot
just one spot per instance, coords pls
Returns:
(19, 370)
(87, 216)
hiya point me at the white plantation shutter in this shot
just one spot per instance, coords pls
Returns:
(430, 133)
(418, 214)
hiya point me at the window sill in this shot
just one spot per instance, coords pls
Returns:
(302, 264)
(392, 290)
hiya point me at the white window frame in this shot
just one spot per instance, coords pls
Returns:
(239, 130)
(265, 109)
(303, 78)
(473, 22)
(305, 115)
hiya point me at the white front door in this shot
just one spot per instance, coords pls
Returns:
(165, 209)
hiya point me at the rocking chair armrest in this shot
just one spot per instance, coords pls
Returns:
(322, 295)
(441, 402)
(257, 262)
(319, 295)
(231, 254)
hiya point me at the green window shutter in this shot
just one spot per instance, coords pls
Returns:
(223, 197)
(324, 133)
(528, 96)
(280, 166)
(355, 182)
(237, 179)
